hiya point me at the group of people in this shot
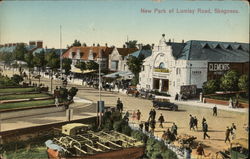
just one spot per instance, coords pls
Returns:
(230, 131)
(233, 103)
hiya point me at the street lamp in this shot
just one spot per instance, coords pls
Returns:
(100, 103)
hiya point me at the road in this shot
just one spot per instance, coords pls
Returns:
(216, 125)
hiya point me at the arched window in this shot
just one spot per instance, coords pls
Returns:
(162, 65)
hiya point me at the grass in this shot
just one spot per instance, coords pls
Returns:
(16, 90)
(33, 153)
(241, 99)
(26, 104)
(23, 96)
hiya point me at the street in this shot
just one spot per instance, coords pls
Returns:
(216, 125)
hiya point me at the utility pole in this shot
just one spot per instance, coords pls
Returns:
(61, 54)
(100, 103)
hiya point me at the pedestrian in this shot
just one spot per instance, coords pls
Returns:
(233, 131)
(230, 103)
(56, 102)
(227, 135)
(205, 130)
(174, 129)
(118, 101)
(150, 115)
(191, 122)
(141, 126)
(153, 114)
(152, 125)
(138, 115)
(161, 120)
(187, 152)
(121, 107)
(215, 111)
(146, 126)
(176, 96)
(200, 151)
(203, 121)
(196, 123)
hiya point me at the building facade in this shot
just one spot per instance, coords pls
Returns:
(88, 53)
(173, 65)
(117, 59)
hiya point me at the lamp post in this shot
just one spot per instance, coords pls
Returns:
(100, 103)
(61, 54)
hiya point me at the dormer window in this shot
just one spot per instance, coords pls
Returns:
(218, 46)
(240, 47)
(229, 47)
(206, 46)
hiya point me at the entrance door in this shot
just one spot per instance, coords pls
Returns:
(165, 85)
(156, 83)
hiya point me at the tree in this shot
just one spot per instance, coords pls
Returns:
(92, 65)
(131, 44)
(52, 60)
(6, 57)
(29, 60)
(146, 47)
(76, 43)
(229, 82)
(210, 86)
(81, 65)
(134, 65)
(39, 61)
(66, 65)
(72, 92)
(243, 83)
(20, 52)
(17, 78)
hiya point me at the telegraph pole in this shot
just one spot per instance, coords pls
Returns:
(61, 53)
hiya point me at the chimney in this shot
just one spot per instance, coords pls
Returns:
(94, 44)
(32, 43)
(183, 41)
(39, 44)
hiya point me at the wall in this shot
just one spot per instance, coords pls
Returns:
(33, 111)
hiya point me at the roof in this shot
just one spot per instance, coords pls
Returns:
(211, 51)
(85, 50)
(126, 51)
(145, 53)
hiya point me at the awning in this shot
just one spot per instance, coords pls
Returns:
(77, 70)
(124, 74)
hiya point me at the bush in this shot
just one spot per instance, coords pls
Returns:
(229, 82)
(17, 78)
(243, 83)
(210, 86)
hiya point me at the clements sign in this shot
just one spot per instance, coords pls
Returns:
(218, 66)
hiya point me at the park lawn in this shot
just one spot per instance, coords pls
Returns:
(23, 96)
(16, 90)
(26, 104)
(226, 98)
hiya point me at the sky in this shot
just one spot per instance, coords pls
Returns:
(116, 21)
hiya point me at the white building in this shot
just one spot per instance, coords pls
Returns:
(173, 65)
(117, 59)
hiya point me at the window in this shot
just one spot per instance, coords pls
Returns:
(162, 65)
(114, 65)
(178, 71)
(81, 54)
(73, 54)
